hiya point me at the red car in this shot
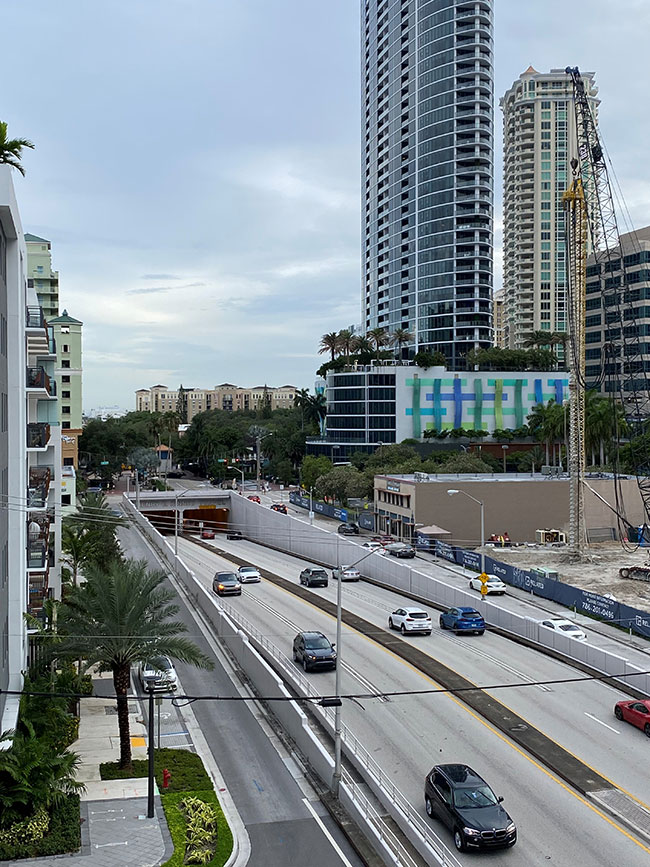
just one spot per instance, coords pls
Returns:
(254, 498)
(279, 507)
(634, 711)
(206, 533)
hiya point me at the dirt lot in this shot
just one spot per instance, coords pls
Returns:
(599, 574)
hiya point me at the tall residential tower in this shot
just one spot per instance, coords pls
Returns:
(539, 141)
(427, 171)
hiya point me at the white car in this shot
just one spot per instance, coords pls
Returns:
(346, 573)
(566, 627)
(248, 575)
(410, 620)
(160, 672)
(372, 545)
(494, 584)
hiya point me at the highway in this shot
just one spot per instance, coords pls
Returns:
(408, 734)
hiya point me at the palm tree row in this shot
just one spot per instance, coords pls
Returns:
(346, 343)
(542, 339)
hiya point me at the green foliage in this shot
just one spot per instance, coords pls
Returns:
(426, 359)
(143, 459)
(312, 468)
(176, 824)
(186, 769)
(11, 149)
(496, 358)
(201, 829)
(27, 831)
(114, 439)
(64, 834)
(533, 458)
(341, 483)
(464, 462)
(392, 455)
(503, 434)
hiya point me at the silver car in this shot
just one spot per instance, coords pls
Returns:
(345, 573)
(249, 575)
(158, 672)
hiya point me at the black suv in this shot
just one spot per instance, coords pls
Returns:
(314, 576)
(461, 799)
(314, 650)
(348, 528)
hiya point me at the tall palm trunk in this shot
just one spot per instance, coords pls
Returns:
(121, 682)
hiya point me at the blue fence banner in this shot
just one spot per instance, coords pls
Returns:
(365, 519)
(597, 606)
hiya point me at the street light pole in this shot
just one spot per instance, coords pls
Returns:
(311, 506)
(150, 788)
(504, 449)
(451, 493)
(176, 499)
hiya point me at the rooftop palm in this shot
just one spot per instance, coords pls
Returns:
(11, 149)
(122, 616)
(329, 343)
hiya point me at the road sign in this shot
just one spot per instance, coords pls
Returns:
(103, 463)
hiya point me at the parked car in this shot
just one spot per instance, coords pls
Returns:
(161, 672)
(254, 498)
(234, 534)
(400, 549)
(175, 474)
(207, 533)
(636, 712)
(345, 573)
(314, 576)
(565, 627)
(462, 619)
(373, 544)
(348, 528)
(463, 801)
(314, 650)
(226, 584)
(410, 620)
(279, 507)
(249, 575)
(494, 584)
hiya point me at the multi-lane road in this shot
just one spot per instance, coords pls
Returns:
(408, 734)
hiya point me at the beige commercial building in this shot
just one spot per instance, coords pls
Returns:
(518, 504)
(226, 396)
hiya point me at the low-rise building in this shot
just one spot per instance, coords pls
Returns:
(227, 397)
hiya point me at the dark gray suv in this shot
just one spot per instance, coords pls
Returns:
(314, 650)
(314, 576)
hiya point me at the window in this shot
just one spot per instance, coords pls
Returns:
(65, 410)
(65, 394)
(66, 347)
(68, 462)
(65, 362)
(65, 425)
(65, 379)
(65, 500)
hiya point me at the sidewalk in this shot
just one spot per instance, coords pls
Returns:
(115, 830)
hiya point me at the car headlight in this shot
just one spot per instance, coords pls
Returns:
(511, 827)
(311, 657)
(221, 587)
(471, 832)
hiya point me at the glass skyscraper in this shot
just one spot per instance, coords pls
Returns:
(428, 171)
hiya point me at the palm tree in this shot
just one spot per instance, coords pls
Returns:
(122, 616)
(379, 337)
(329, 343)
(11, 149)
(346, 341)
(537, 339)
(78, 546)
(399, 338)
(361, 345)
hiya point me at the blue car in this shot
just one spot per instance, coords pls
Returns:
(462, 619)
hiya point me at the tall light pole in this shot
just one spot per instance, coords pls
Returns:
(176, 499)
(241, 472)
(150, 786)
(451, 493)
(505, 449)
(311, 506)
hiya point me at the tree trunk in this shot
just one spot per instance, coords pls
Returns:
(602, 453)
(121, 682)
(547, 456)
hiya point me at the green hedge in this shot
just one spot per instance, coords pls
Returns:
(176, 823)
(64, 834)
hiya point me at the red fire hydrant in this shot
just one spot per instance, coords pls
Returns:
(167, 775)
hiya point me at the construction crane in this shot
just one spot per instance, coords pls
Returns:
(590, 219)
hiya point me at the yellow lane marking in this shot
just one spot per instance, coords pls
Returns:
(484, 722)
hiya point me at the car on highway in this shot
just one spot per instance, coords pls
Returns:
(249, 575)
(226, 584)
(207, 533)
(463, 801)
(314, 650)
(565, 627)
(462, 619)
(348, 528)
(314, 576)
(345, 573)
(158, 671)
(494, 584)
(635, 711)
(373, 544)
(234, 534)
(400, 549)
(254, 498)
(279, 507)
(383, 540)
(410, 619)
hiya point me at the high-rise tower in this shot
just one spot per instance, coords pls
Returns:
(539, 141)
(428, 170)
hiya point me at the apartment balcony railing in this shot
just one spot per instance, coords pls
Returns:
(38, 378)
(38, 435)
(34, 317)
(39, 487)
(37, 556)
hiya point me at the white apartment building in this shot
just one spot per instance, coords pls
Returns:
(226, 396)
(539, 141)
(29, 454)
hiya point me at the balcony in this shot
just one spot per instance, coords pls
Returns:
(38, 380)
(39, 487)
(37, 555)
(38, 435)
(34, 317)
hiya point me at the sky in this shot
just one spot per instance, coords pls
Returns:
(197, 168)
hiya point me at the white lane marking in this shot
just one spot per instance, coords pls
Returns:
(595, 719)
(319, 822)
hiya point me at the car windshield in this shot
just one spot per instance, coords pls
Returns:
(483, 796)
(418, 615)
(159, 664)
(470, 615)
(317, 643)
(248, 569)
(227, 576)
(568, 627)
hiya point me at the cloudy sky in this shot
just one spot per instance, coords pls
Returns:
(197, 167)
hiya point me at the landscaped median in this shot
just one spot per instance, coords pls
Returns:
(199, 830)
